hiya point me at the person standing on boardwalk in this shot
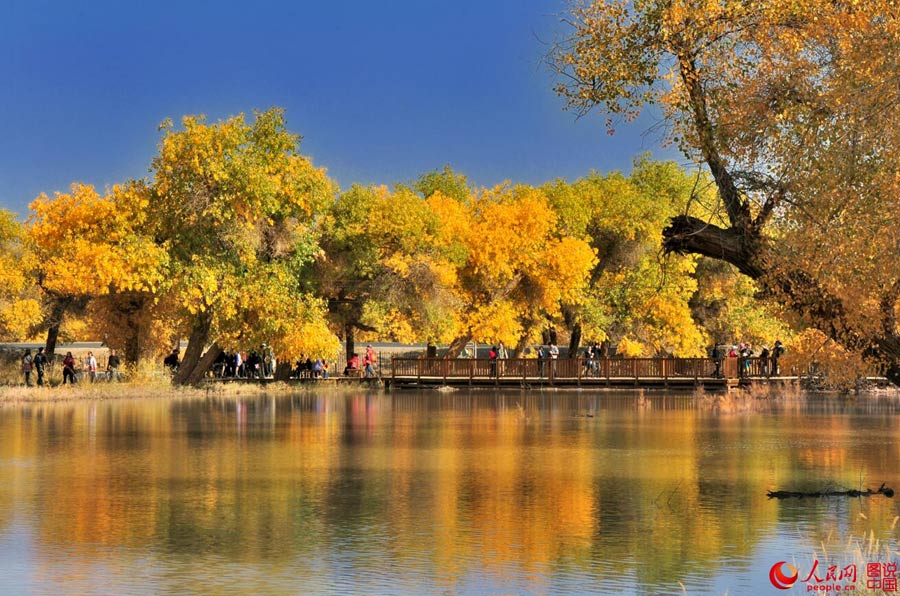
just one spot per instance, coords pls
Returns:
(745, 354)
(492, 354)
(40, 361)
(502, 356)
(717, 360)
(764, 359)
(369, 360)
(554, 355)
(542, 356)
(777, 352)
(27, 366)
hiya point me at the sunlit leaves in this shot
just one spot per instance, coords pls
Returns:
(20, 307)
(792, 106)
(237, 207)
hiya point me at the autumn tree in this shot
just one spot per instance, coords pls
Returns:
(91, 246)
(380, 268)
(236, 207)
(636, 299)
(729, 307)
(20, 307)
(790, 107)
(516, 267)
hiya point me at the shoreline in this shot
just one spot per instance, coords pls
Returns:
(17, 394)
(158, 388)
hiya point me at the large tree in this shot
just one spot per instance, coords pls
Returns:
(379, 268)
(237, 208)
(515, 268)
(790, 106)
(636, 299)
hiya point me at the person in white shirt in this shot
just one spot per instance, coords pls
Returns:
(91, 366)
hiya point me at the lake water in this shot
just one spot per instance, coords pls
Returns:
(429, 493)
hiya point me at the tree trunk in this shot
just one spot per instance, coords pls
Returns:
(57, 313)
(575, 340)
(130, 308)
(458, 345)
(197, 341)
(203, 365)
(349, 340)
(283, 371)
(816, 305)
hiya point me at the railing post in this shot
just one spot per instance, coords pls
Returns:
(419, 364)
(665, 372)
(634, 370)
(471, 371)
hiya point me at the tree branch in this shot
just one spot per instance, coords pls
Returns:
(737, 209)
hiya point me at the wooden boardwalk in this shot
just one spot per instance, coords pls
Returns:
(577, 372)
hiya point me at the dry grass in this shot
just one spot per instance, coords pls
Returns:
(729, 403)
(785, 390)
(867, 549)
(149, 384)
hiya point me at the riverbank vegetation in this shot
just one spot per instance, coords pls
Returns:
(236, 239)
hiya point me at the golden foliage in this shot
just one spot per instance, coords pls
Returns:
(790, 105)
(813, 353)
(90, 245)
(20, 307)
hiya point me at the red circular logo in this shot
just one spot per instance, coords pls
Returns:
(783, 575)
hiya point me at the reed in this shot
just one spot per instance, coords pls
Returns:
(861, 550)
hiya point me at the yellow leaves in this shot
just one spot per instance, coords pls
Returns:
(508, 233)
(630, 348)
(517, 266)
(812, 353)
(17, 316)
(494, 322)
(568, 263)
(87, 244)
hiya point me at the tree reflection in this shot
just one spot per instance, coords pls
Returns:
(445, 487)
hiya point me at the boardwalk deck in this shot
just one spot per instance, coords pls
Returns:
(577, 372)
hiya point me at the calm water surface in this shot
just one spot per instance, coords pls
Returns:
(412, 493)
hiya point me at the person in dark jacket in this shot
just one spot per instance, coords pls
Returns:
(40, 361)
(171, 361)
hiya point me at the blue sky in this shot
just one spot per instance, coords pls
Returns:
(381, 91)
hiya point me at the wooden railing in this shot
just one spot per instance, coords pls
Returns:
(580, 368)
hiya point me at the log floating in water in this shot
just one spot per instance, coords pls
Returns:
(787, 494)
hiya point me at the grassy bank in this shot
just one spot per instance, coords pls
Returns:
(159, 387)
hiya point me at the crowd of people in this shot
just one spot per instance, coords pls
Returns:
(369, 364)
(262, 364)
(255, 364)
(84, 368)
(745, 352)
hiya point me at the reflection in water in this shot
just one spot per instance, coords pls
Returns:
(425, 492)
